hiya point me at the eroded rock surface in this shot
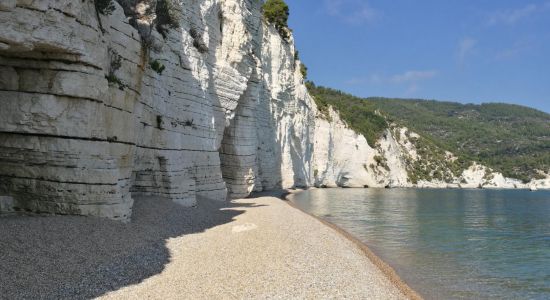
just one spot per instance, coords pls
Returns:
(88, 117)
(95, 108)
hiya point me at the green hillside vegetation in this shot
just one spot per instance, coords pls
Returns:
(434, 163)
(511, 139)
(359, 115)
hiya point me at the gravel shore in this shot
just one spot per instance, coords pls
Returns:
(249, 248)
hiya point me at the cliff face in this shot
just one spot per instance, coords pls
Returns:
(344, 158)
(92, 113)
(93, 110)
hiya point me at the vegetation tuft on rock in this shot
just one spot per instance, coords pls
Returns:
(198, 43)
(115, 64)
(105, 7)
(157, 66)
(168, 15)
(276, 12)
(303, 70)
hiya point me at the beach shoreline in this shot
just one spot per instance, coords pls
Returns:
(384, 267)
(258, 247)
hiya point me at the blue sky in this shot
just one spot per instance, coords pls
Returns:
(469, 51)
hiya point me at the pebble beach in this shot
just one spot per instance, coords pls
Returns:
(250, 248)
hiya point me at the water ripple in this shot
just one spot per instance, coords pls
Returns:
(452, 244)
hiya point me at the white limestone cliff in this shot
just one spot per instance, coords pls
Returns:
(88, 118)
(344, 158)
(86, 121)
(543, 183)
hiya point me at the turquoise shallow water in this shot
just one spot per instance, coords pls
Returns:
(449, 244)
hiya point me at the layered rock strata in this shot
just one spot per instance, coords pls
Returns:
(97, 107)
(93, 111)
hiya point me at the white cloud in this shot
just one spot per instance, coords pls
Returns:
(371, 79)
(351, 11)
(516, 49)
(408, 79)
(512, 16)
(465, 47)
(413, 76)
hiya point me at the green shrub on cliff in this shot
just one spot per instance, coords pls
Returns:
(303, 70)
(105, 7)
(276, 12)
(157, 66)
(168, 15)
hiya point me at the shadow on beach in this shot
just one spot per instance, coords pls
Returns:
(84, 257)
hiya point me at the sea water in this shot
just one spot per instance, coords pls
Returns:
(449, 244)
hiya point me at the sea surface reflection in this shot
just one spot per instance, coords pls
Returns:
(466, 244)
